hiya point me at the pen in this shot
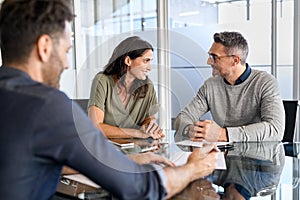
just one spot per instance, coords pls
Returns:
(225, 147)
(164, 142)
(149, 148)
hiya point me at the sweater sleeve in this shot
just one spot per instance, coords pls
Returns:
(191, 112)
(73, 141)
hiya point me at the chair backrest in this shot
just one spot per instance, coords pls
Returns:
(83, 103)
(291, 111)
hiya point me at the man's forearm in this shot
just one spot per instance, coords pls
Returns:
(182, 128)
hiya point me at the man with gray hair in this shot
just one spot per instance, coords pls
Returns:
(245, 103)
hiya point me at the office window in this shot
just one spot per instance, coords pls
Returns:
(285, 46)
(193, 23)
(101, 25)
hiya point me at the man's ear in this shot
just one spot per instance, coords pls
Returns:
(44, 47)
(236, 60)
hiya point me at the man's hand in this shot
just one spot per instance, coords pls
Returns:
(207, 130)
(149, 157)
(205, 159)
(200, 163)
(201, 189)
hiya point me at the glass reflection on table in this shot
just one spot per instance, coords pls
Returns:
(253, 169)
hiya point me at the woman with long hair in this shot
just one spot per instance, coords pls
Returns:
(123, 101)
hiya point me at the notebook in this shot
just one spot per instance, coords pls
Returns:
(122, 142)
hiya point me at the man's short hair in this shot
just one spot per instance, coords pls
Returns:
(22, 22)
(234, 43)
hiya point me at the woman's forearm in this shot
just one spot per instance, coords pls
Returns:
(116, 132)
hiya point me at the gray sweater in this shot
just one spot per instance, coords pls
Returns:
(251, 111)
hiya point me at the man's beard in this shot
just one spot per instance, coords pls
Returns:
(52, 72)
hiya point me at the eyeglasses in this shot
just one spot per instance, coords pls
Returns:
(214, 57)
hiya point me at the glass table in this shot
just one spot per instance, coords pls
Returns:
(265, 170)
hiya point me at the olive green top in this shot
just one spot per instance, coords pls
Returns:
(104, 95)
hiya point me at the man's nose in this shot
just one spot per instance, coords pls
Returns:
(209, 61)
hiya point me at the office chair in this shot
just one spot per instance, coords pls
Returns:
(83, 103)
(291, 112)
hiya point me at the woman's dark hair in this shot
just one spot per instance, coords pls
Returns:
(22, 22)
(133, 47)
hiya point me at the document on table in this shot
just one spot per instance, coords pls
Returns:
(81, 179)
(180, 158)
(200, 144)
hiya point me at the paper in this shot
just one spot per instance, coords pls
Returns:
(180, 158)
(81, 179)
(190, 143)
(200, 144)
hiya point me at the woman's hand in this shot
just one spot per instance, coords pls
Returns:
(151, 128)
